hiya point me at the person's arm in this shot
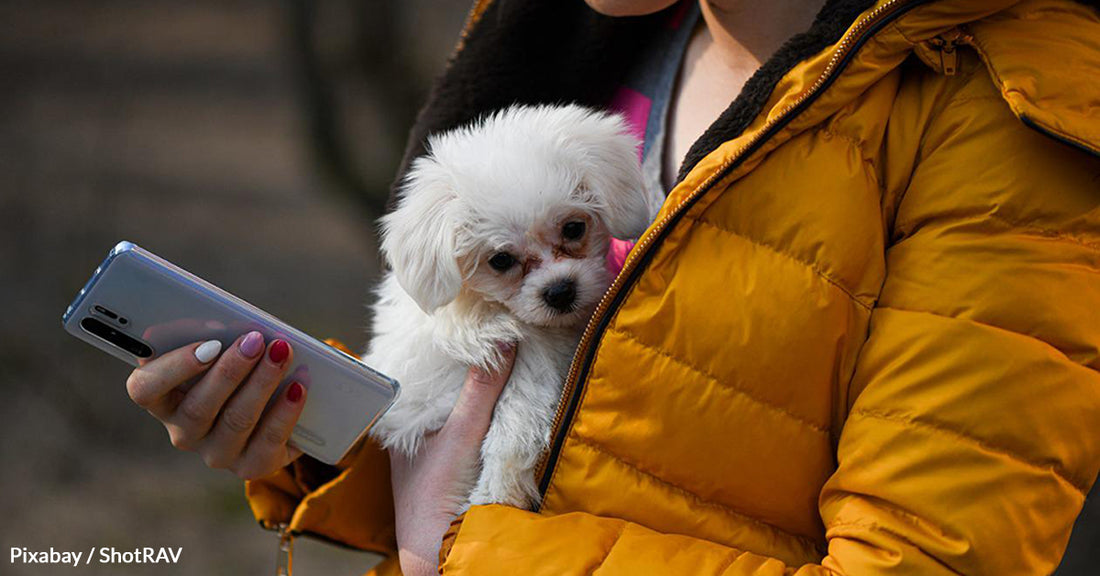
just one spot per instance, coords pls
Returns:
(351, 503)
(972, 439)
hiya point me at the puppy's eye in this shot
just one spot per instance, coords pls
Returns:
(572, 230)
(502, 261)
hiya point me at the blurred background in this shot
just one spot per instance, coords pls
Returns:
(252, 142)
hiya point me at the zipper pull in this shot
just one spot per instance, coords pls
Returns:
(948, 46)
(284, 558)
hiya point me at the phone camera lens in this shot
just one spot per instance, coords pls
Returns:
(123, 321)
(102, 330)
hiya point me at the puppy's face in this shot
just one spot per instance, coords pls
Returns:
(518, 209)
(548, 268)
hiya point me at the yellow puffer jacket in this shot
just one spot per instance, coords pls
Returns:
(862, 336)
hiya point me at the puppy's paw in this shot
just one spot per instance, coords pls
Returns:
(405, 440)
(482, 496)
(495, 491)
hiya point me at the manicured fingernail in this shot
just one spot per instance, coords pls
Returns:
(252, 344)
(208, 351)
(294, 392)
(279, 351)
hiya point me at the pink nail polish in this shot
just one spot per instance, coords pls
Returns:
(252, 344)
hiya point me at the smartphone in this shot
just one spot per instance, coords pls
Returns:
(137, 306)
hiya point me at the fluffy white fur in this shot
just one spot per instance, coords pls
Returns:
(508, 183)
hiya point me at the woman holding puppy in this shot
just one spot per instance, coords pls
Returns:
(861, 336)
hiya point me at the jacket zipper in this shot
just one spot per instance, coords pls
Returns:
(947, 45)
(285, 552)
(284, 558)
(582, 359)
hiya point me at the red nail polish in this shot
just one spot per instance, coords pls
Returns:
(279, 351)
(294, 393)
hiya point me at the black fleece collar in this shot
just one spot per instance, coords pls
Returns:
(524, 52)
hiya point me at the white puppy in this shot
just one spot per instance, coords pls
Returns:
(500, 235)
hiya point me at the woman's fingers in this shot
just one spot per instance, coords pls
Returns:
(222, 418)
(470, 418)
(267, 449)
(195, 414)
(153, 385)
(240, 414)
(218, 416)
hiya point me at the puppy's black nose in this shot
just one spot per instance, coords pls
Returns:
(560, 295)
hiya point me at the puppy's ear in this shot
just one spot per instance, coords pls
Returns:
(418, 237)
(611, 176)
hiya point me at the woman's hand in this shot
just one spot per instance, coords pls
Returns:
(428, 492)
(219, 416)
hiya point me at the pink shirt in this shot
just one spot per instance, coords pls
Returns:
(616, 254)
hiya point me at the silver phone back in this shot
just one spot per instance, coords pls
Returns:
(165, 307)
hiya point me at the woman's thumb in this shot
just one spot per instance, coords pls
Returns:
(474, 409)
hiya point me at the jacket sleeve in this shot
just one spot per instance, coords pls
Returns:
(971, 437)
